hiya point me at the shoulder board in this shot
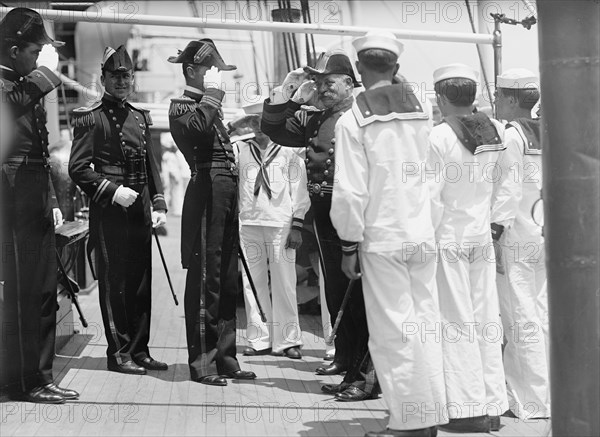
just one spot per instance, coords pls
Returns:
(181, 106)
(144, 111)
(84, 116)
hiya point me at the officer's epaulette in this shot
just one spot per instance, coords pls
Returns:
(144, 111)
(84, 116)
(6, 85)
(181, 106)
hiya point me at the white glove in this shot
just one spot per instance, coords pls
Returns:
(159, 218)
(292, 82)
(58, 217)
(124, 196)
(48, 58)
(212, 78)
(305, 92)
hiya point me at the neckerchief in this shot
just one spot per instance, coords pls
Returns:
(262, 178)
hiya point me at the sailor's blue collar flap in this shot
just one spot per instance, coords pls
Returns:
(391, 102)
(529, 130)
(476, 132)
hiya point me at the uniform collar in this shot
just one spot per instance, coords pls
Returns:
(9, 73)
(193, 92)
(344, 105)
(112, 100)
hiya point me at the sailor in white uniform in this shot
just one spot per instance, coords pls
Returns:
(522, 281)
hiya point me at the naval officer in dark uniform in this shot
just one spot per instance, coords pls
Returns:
(286, 123)
(29, 213)
(209, 229)
(127, 201)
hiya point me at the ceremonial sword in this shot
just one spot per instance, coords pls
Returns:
(162, 257)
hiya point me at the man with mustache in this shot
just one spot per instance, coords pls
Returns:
(329, 86)
(127, 201)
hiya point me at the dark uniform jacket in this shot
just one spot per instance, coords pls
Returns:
(196, 126)
(27, 231)
(103, 134)
(22, 96)
(288, 125)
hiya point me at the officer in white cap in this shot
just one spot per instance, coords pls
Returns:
(521, 275)
(382, 214)
(463, 152)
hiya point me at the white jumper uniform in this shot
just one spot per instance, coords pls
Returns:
(265, 223)
(462, 184)
(522, 286)
(381, 200)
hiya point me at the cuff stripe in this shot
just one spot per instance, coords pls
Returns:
(100, 190)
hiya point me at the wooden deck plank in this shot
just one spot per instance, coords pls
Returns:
(284, 400)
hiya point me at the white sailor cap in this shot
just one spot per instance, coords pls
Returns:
(517, 78)
(255, 107)
(379, 40)
(452, 71)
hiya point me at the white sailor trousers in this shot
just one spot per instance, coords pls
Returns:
(403, 317)
(264, 249)
(472, 332)
(524, 311)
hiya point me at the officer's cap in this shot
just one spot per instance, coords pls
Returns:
(455, 71)
(517, 78)
(116, 60)
(379, 40)
(201, 52)
(26, 25)
(333, 62)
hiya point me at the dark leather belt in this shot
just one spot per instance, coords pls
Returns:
(319, 189)
(27, 160)
(113, 170)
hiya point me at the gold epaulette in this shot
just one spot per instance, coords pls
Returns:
(181, 106)
(84, 116)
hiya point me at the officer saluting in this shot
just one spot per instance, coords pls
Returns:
(209, 228)
(126, 202)
(29, 212)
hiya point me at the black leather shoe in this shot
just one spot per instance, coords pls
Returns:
(354, 394)
(64, 392)
(333, 369)
(250, 352)
(40, 395)
(151, 364)
(421, 432)
(240, 374)
(494, 423)
(469, 424)
(329, 357)
(293, 353)
(126, 367)
(332, 389)
(212, 380)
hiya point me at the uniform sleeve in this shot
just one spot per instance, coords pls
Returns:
(191, 118)
(98, 188)
(508, 189)
(25, 94)
(350, 188)
(435, 176)
(155, 185)
(298, 190)
(280, 124)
